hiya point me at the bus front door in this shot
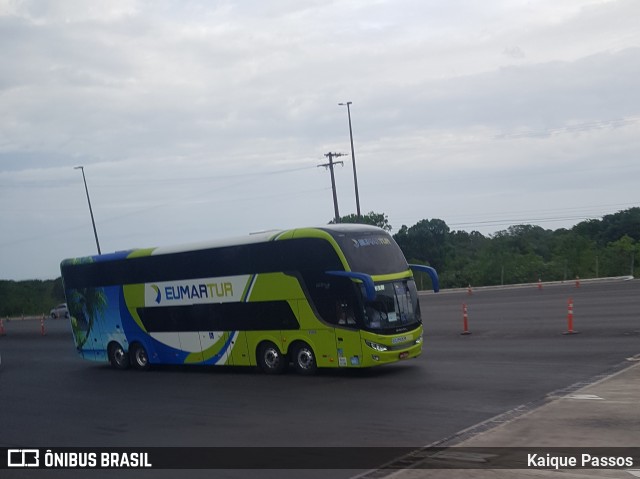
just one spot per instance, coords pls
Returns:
(349, 347)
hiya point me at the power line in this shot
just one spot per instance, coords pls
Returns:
(574, 214)
(578, 127)
(101, 183)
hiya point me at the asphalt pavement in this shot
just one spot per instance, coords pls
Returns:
(580, 390)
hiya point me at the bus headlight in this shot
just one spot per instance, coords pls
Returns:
(376, 346)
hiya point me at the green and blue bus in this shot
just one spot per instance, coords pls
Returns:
(338, 296)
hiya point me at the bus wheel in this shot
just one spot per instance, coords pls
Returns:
(304, 360)
(270, 359)
(139, 357)
(117, 357)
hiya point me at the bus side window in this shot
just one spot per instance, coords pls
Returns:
(335, 299)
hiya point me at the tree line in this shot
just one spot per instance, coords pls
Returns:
(32, 297)
(521, 253)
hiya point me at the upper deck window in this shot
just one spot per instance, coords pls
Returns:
(371, 251)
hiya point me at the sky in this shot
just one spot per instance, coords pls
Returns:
(202, 120)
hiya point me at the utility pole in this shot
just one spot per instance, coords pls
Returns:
(329, 165)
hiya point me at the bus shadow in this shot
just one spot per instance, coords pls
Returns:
(391, 370)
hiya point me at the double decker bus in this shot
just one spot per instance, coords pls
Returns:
(338, 296)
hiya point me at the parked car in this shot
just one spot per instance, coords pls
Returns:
(60, 311)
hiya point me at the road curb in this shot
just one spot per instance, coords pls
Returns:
(528, 285)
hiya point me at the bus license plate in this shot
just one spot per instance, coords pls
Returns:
(404, 355)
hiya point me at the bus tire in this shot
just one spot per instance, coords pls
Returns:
(304, 359)
(139, 357)
(117, 356)
(270, 359)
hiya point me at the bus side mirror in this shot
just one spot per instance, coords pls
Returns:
(433, 274)
(367, 281)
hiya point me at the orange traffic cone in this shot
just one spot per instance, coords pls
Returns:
(465, 321)
(570, 318)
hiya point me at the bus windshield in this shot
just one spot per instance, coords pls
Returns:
(395, 307)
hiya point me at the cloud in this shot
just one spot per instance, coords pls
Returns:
(206, 119)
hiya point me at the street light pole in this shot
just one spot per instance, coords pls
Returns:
(95, 232)
(353, 158)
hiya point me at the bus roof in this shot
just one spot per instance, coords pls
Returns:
(268, 235)
(335, 231)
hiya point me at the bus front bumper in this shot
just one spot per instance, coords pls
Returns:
(374, 354)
